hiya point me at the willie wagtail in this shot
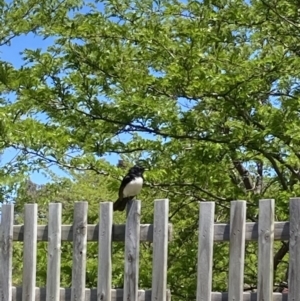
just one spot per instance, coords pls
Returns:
(130, 187)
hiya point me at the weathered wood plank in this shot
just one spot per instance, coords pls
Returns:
(281, 231)
(29, 252)
(104, 253)
(160, 250)
(294, 250)
(237, 250)
(265, 249)
(221, 232)
(6, 248)
(79, 251)
(143, 295)
(90, 294)
(118, 232)
(54, 252)
(205, 250)
(248, 296)
(132, 248)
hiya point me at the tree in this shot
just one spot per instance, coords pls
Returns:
(207, 92)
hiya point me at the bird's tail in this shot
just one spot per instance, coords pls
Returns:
(120, 204)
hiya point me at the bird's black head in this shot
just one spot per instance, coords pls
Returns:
(137, 170)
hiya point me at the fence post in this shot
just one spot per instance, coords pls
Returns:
(160, 250)
(104, 252)
(6, 248)
(54, 252)
(237, 250)
(132, 249)
(205, 250)
(294, 250)
(29, 253)
(79, 251)
(265, 250)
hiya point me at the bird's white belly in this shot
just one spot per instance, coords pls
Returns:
(133, 188)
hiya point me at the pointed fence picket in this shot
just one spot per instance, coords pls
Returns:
(237, 232)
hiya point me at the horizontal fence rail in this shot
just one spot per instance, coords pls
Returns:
(221, 232)
(118, 232)
(281, 231)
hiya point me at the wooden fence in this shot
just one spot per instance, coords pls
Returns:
(265, 231)
(80, 233)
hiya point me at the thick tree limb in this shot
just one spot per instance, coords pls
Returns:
(280, 254)
(259, 178)
(244, 173)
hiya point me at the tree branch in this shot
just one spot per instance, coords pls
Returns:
(190, 185)
(244, 173)
(280, 254)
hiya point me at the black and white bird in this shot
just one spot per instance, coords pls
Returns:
(130, 187)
